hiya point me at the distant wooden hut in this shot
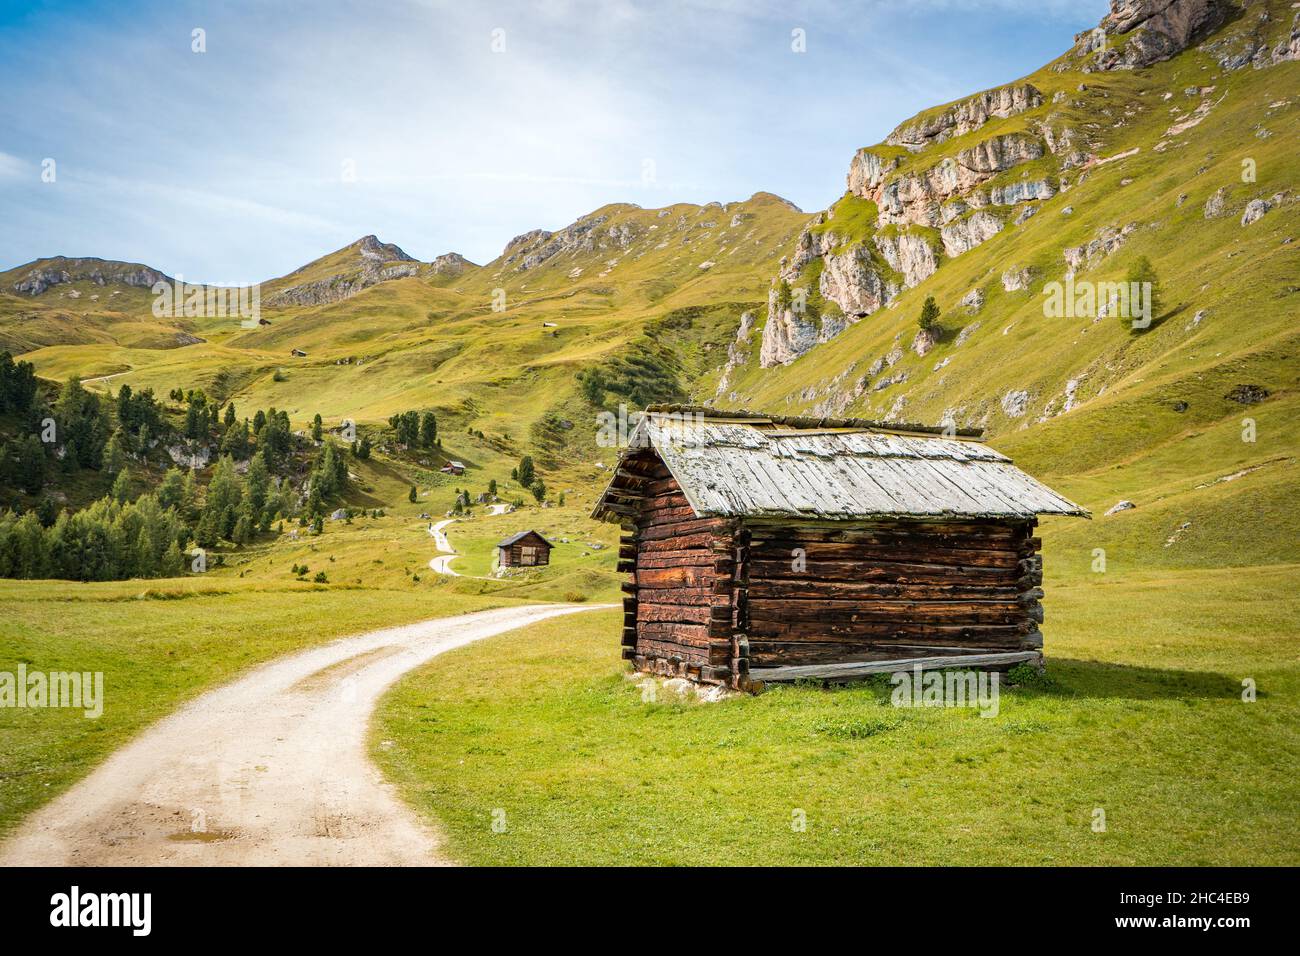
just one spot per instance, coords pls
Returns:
(297, 353)
(527, 549)
(766, 548)
(453, 468)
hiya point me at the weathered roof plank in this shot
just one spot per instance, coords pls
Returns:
(748, 465)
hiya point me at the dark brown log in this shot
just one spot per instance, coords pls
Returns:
(901, 631)
(839, 554)
(795, 588)
(831, 529)
(683, 576)
(658, 532)
(700, 540)
(683, 595)
(674, 612)
(699, 557)
(848, 612)
(692, 634)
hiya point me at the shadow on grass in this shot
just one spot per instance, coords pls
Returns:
(1076, 678)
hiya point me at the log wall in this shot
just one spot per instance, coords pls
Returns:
(677, 612)
(820, 594)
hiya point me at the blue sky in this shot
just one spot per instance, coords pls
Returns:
(305, 126)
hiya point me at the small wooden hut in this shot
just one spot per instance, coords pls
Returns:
(527, 549)
(768, 548)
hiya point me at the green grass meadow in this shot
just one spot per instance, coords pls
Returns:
(1141, 716)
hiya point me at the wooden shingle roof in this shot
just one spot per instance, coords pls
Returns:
(519, 536)
(744, 464)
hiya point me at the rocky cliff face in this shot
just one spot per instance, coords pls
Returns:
(531, 249)
(1140, 156)
(946, 181)
(1137, 33)
(915, 198)
(45, 273)
(848, 273)
(372, 249)
(965, 117)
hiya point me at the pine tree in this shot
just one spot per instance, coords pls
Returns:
(1139, 275)
(121, 492)
(83, 425)
(316, 427)
(243, 532)
(412, 496)
(30, 464)
(114, 457)
(929, 315)
(526, 472)
(172, 561)
(258, 481)
(189, 503)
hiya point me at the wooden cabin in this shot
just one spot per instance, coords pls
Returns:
(453, 468)
(767, 548)
(527, 549)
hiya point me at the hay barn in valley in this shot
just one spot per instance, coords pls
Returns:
(767, 548)
(526, 549)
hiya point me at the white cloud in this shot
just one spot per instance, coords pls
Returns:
(11, 167)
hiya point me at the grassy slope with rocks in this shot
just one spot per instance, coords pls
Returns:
(1151, 419)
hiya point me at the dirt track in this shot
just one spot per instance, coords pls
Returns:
(270, 769)
(442, 563)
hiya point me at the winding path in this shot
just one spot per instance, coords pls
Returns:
(268, 770)
(442, 563)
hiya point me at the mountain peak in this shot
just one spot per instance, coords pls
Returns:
(372, 248)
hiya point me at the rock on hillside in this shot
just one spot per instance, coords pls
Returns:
(451, 264)
(37, 277)
(586, 235)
